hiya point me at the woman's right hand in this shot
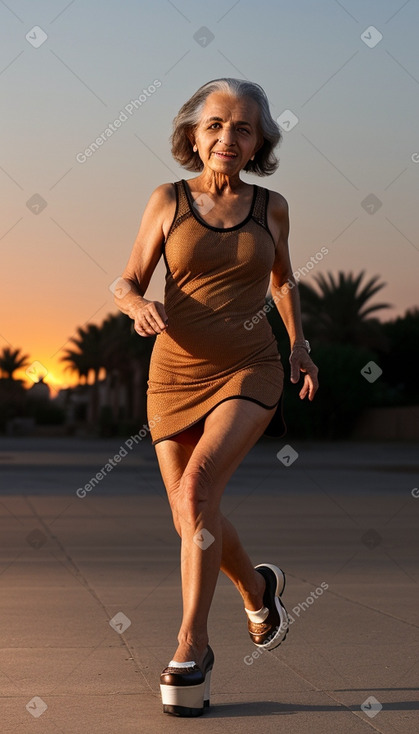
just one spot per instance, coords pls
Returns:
(150, 318)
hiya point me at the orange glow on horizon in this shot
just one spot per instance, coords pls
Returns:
(44, 347)
(54, 375)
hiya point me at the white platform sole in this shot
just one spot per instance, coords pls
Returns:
(281, 631)
(186, 700)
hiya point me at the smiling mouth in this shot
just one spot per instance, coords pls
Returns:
(224, 154)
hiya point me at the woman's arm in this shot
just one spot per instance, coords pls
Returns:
(284, 291)
(149, 316)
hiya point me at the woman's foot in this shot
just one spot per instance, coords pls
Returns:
(187, 652)
(185, 686)
(268, 627)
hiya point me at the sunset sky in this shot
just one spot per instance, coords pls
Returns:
(348, 71)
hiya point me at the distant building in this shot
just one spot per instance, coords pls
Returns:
(39, 391)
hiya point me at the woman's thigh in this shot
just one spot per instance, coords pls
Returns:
(174, 453)
(211, 453)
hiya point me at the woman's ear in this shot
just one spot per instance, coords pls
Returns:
(191, 139)
(259, 144)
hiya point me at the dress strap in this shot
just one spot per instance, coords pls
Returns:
(183, 203)
(260, 207)
(183, 210)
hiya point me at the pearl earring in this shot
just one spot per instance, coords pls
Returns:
(195, 149)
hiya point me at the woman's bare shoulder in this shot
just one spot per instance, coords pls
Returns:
(164, 194)
(277, 203)
(161, 207)
(278, 219)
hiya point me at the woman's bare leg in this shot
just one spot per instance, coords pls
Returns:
(235, 563)
(195, 475)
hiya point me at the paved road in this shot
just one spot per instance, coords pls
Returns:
(340, 516)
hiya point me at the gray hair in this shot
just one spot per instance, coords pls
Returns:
(265, 161)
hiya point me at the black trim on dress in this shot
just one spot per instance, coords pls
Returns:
(277, 414)
(209, 226)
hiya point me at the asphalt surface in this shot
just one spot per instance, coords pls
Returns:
(90, 590)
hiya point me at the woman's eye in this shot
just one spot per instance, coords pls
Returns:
(214, 125)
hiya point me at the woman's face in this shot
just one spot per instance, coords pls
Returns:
(227, 135)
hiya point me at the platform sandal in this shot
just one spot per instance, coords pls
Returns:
(268, 627)
(185, 687)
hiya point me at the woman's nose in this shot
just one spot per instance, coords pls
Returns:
(228, 137)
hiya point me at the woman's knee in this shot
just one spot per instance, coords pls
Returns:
(196, 497)
(188, 502)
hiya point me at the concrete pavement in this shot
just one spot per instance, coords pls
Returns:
(341, 519)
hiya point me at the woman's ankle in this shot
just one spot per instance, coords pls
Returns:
(253, 600)
(191, 646)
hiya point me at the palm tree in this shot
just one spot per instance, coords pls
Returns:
(76, 362)
(12, 360)
(89, 355)
(116, 359)
(87, 359)
(338, 310)
(140, 349)
(126, 360)
(400, 361)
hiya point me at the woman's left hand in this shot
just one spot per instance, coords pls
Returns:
(301, 362)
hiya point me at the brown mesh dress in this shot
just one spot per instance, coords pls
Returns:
(216, 282)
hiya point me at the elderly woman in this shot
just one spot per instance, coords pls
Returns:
(215, 384)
